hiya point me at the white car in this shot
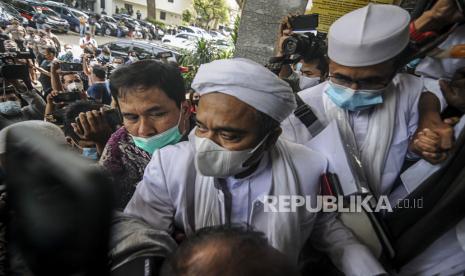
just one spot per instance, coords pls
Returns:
(196, 31)
(185, 41)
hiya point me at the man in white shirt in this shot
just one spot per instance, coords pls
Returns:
(234, 159)
(88, 41)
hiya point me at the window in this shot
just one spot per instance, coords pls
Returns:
(170, 1)
(162, 15)
(183, 36)
(119, 47)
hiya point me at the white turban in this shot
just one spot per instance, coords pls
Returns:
(48, 130)
(369, 36)
(249, 82)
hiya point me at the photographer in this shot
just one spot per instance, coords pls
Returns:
(18, 103)
(49, 55)
(97, 87)
(312, 65)
(105, 56)
(17, 33)
(88, 41)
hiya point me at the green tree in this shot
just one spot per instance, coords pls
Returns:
(204, 52)
(209, 11)
(187, 16)
(235, 31)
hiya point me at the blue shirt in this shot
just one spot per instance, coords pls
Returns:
(99, 92)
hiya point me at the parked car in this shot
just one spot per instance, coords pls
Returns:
(217, 35)
(143, 49)
(69, 14)
(8, 13)
(110, 26)
(196, 31)
(28, 9)
(223, 44)
(183, 41)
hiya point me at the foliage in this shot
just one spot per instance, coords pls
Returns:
(187, 16)
(204, 52)
(235, 32)
(209, 11)
(156, 22)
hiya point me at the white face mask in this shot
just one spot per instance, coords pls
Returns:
(307, 82)
(214, 160)
(75, 87)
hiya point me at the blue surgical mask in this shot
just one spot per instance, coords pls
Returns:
(169, 137)
(90, 153)
(10, 108)
(354, 100)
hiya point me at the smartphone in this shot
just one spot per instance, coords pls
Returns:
(70, 67)
(67, 97)
(305, 22)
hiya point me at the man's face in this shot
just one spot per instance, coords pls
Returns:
(9, 97)
(88, 36)
(68, 79)
(227, 121)
(368, 77)
(49, 56)
(149, 112)
(310, 69)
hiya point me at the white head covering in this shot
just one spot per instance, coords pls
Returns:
(248, 81)
(48, 130)
(369, 36)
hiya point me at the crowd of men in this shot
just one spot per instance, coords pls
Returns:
(192, 172)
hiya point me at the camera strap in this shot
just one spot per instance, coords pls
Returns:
(306, 115)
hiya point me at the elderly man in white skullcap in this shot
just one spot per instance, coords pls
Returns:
(234, 159)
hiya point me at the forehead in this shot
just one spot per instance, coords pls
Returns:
(70, 77)
(221, 110)
(378, 70)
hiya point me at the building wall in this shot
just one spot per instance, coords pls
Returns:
(173, 10)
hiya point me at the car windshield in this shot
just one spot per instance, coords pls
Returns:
(109, 19)
(78, 13)
(49, 12)
(222, 42)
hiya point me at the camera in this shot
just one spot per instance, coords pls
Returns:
(299, 44)
(70, 67)
(67, 97)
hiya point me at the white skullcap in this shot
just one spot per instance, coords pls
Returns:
(249, 82)
(369, 36)
(48, 130)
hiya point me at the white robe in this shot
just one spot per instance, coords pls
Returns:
(408, 91)
(163, 199)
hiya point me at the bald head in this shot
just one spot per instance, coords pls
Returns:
(228, 251)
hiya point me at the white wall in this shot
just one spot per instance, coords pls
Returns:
(178, 6)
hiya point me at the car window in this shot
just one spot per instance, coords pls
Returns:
(183, 36)
(78, 14)
(56, 9)
(49, 13)
(119, 47)
(139, 50)
(191, 37)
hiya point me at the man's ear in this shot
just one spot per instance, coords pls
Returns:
(273, 138)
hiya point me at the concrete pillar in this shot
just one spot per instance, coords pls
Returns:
(259, 26)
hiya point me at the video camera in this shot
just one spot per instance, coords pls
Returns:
(304, 39)
(16, 55)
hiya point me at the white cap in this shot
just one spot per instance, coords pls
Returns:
(249, 82)
(48, 130)
(369, 35)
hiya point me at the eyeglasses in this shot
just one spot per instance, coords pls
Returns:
(368, 84)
